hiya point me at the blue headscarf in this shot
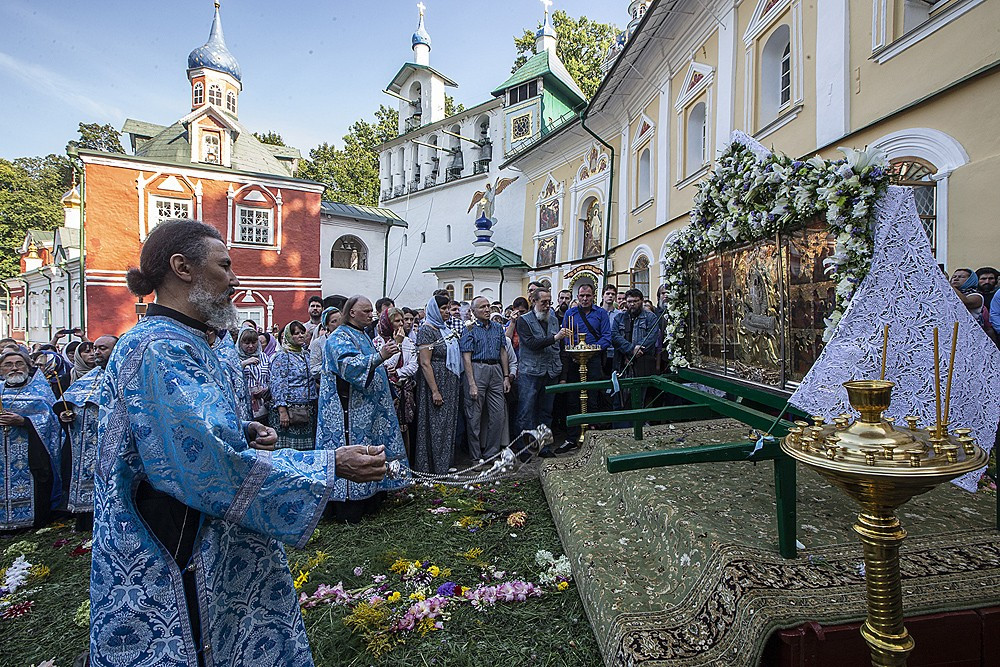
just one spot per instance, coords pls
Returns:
(433, 317)
(971, 283)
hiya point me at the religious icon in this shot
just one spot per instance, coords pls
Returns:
(548, 215)
(546, 252)
(592, 230)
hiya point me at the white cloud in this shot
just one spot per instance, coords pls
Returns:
(53, 84)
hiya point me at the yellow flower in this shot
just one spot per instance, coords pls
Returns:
(434, 570)
(394, 597)
(300, 580)
(562, 585)
(517, 519)
(400, 566)
(40, 571)
(418, 596)
(417, 564)
(472, 554)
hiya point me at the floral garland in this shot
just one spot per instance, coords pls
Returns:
(754, 194)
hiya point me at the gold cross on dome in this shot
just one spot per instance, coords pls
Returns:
(421, 7)
(546, 4)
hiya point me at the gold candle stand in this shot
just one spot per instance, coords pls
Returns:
(881, 467)
(581, 353)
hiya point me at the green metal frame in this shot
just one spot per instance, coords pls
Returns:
(703, 405)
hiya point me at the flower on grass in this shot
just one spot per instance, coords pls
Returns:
(301, 580)
(16, 575)
(562, 585)
(60, 543)
(22, 548)
(472, 554)
(517, 519)
(17, 610)
(358, 571)
(82, 616)
(40, 571)
(394, 597)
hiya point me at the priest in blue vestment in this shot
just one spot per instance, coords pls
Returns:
(78, 411)
(32, 442)
(229, 358)
(190, 504)
(356, 407)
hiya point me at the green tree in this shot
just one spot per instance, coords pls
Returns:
(30, 190)
(582, 45)
(450, 108)
(99, 138)
(351, 173)
(270, 137)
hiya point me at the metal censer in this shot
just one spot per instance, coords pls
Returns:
(882, 466)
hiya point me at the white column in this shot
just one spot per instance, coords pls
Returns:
(624, 176)
(661, 193)
(832, 70)
(725, 82)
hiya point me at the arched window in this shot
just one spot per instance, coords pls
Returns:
(450, 289)
(215, 95)
(447, 231)
(468, 292)
(423, 237)
(199, 94)
(640, 275)
(349, 252)
(231, 101)
(917, 175)
(775, 74)
(696, 134)
(405, 240)
(643, 175)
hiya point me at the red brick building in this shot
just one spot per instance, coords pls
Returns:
(205, 166)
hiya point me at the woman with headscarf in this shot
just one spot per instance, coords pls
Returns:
(83, 361)
(401, 367)
(269, 345)
(438, 389)
(329, 320)
(965, 282)
(54, 367)
(256, 372)
(294, 391)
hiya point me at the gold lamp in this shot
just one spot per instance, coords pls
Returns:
(881, 465)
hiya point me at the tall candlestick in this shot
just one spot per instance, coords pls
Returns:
(951, 369)
(885, 348)
(937, 382)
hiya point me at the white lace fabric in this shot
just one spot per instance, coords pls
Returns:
(906, 289)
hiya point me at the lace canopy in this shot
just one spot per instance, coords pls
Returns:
(906, 289)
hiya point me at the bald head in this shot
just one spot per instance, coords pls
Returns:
(359, 311)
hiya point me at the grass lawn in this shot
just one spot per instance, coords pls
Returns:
(420, 525)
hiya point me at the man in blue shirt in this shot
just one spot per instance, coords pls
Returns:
(593, 323)
(487, 372)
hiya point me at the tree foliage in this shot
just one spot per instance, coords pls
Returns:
(450, 108)
(582, 45)
(351, 173)
(270, 137)
(99, 138)
(30, 190)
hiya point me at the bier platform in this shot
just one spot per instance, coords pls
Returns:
(680, 565)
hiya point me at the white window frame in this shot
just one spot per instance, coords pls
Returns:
(697, 87)
(206, 137)
(154, 209)
(762, 22)
(256, 211)
(884, 47)
(198, 94)
(231, 97)
(249, 313)
(215, 94)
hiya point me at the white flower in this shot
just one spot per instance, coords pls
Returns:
(859, 160)
(17, 574)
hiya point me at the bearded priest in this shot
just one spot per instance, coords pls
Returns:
(32, 441)
(190, 504)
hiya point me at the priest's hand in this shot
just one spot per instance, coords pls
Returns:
(261, 437)
(361, 463)
(11, 419)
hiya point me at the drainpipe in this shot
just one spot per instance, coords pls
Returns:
(41, 270)
(83, 248)
(611, 187)
(385, 261)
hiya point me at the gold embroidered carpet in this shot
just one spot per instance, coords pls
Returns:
(679, 566)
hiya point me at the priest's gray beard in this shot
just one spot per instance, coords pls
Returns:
(15, 379)
(216, 310)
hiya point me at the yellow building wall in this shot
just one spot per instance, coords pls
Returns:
(968, 43)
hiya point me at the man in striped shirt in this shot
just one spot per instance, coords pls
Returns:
(487, 374)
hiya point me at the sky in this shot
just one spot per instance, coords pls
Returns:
(310, 67)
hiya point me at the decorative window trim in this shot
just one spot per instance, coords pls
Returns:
(639, 201)
(267, 212)
(937, 148)
(232, 217)
(600, 164)
(645, 129)
(231, 96)
(363, 253)
(884, 48)
(693, 86)
(764, 19)
(787, 116)
(141, 183)
(558, 193)
(693, 177)
(198, 94)
(681, 153)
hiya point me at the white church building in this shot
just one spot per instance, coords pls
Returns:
(431, 175)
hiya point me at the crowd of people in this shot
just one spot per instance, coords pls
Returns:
(195, 445)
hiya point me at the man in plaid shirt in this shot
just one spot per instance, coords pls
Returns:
(455, 322)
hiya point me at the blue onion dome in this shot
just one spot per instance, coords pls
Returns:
(421, 36)
(214, 54)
